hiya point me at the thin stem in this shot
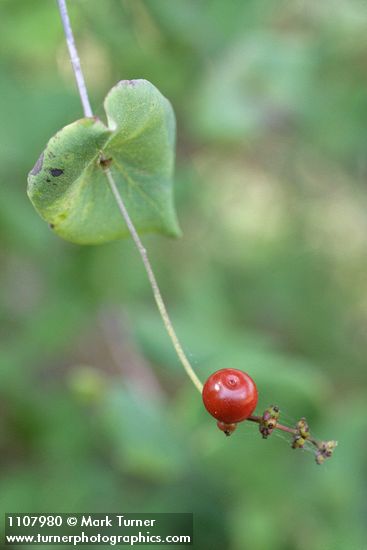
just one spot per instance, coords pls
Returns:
(74, 57)
(120, 203)
(277, 426)
(153, 282)
(293, 431)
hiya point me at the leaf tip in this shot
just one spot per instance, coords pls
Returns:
(173, 230)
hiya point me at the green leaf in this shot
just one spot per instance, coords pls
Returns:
(69, 189)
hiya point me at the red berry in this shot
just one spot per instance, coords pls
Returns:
(230, 395)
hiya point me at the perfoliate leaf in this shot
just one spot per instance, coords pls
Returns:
(67, 185)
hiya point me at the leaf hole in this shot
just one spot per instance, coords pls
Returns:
(55, 172)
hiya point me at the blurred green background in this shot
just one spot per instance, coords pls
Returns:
(96, 413)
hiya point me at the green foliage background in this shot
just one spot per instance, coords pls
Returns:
(270, 276)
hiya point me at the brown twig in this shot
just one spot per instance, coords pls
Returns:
(268, 422)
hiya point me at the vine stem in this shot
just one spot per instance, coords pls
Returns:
(153, 281)
(121, 205)
(74, 58)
